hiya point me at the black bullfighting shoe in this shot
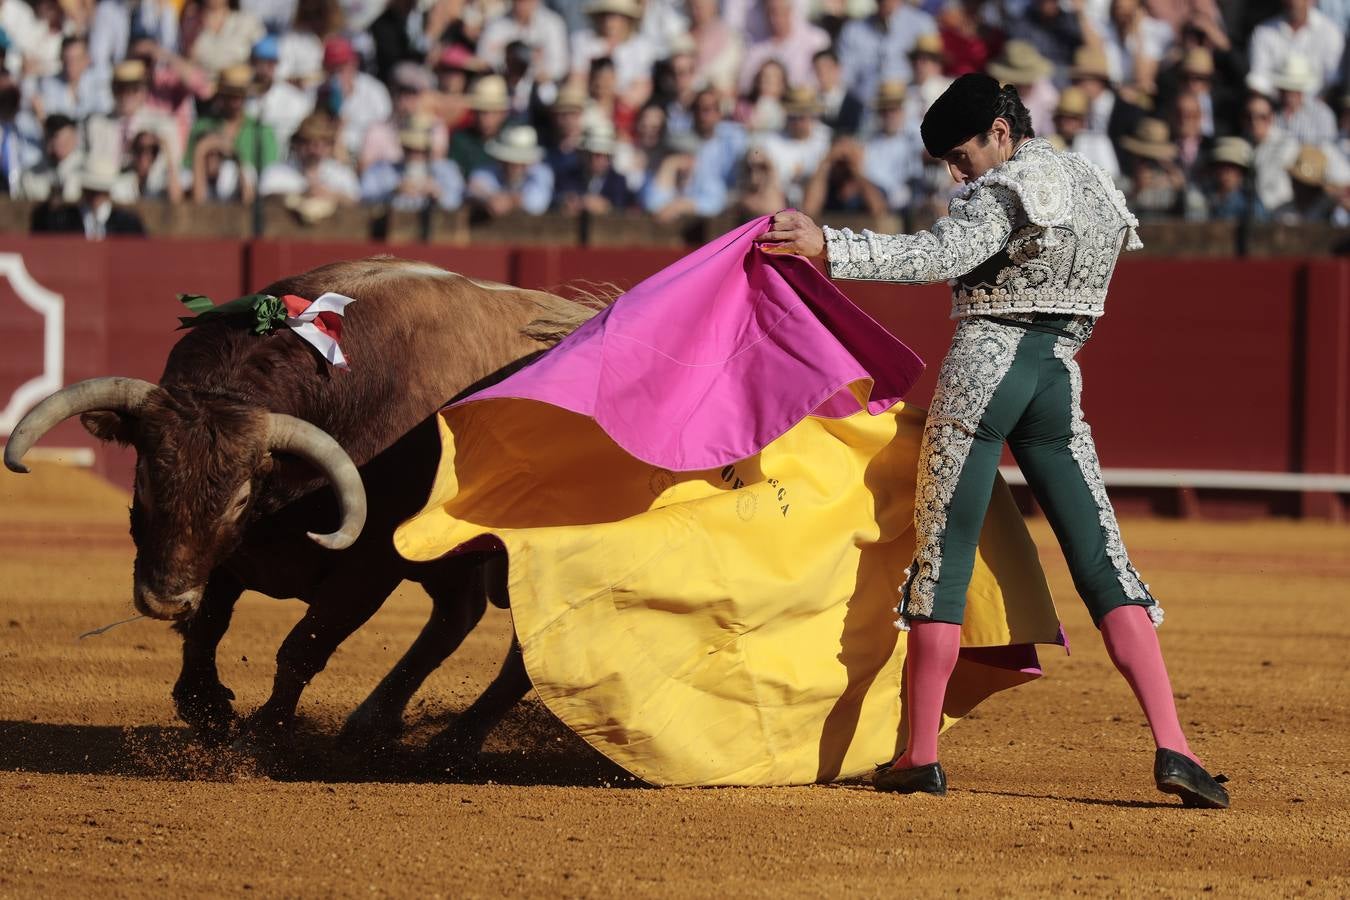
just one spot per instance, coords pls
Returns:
(929, 779)
(1183, 776)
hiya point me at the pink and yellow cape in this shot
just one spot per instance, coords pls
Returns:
(706, 494)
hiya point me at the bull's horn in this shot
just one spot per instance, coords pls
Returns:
(291, 435)
(119, 394)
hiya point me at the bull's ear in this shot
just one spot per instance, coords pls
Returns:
(107, 425)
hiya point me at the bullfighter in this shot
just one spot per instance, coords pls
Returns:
(1029, 249)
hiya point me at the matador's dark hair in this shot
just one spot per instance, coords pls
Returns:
(1008, 105)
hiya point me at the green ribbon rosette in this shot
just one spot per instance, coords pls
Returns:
(266, 311)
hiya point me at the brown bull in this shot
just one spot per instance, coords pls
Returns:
(229, 444)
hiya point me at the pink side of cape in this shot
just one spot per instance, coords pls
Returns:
(712, 358)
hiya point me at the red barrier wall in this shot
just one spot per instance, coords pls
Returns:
(550, 268)
(1205, 364)
(120, 313)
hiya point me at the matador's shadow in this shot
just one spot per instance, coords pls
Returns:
(869, 637)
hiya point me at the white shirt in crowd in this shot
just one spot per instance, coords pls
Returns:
(275, 15)
(664, 22)
(795, 160)
(1320, 42)
(1152, 40)
(367, 104)
(23, 29)
(111, 26)
(92, 95)
(794, 52)
(282, 109)
(546, 33)
(633, 59)
(1096, 148)
(871, 53)
(299, 56)
(747, 17)
(894, 163)
(1313, 123)
(1099, 114)
(285, 178)
(44, 179)
(1271, 160)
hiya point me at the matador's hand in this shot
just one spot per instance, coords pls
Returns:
(794, 232)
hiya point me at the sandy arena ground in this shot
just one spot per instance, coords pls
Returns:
(104, 795)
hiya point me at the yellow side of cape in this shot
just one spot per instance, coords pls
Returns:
(720, 627)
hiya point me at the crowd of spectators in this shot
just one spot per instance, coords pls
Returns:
(1200, 109)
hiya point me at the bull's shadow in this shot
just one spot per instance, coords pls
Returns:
(529, 747)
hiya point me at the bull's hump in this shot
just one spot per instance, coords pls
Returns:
(418, 269)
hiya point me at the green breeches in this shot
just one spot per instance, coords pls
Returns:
(1006, 384)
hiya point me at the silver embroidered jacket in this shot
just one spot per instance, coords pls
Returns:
(1040, 233)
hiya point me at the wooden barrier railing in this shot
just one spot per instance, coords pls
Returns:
(363, 223)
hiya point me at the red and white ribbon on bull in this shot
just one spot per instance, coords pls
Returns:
(319, 323)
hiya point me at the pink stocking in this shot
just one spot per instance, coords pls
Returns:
(1132, 643)
(930, 656)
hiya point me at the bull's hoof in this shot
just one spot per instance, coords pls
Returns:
(207, 711)
(265, 737)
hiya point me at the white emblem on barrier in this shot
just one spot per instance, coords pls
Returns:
(52, 307)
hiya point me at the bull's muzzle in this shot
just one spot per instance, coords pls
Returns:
(174, 607)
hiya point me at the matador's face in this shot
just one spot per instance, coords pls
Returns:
(970, 160)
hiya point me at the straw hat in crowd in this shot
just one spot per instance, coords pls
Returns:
(414, 140)
(316, 127)
(599, 138)
(415, 135)
(516, 144)
(891, 95)
(489, 95)
(1296, 75)
(1310, 167)
(571, 97)
(682, 44)
(1073, 103)
(928, 45)
(801, 101)
(1020, 63)
(129, 72)
(235, 80)
(1090, 62)
(1233, 151)
(1198, 62)
(98, 174)
(630, 8)
(1151, 140)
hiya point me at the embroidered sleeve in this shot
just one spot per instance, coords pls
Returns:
(973, 231)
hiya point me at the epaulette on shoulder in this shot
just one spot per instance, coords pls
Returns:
(1038, 177)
